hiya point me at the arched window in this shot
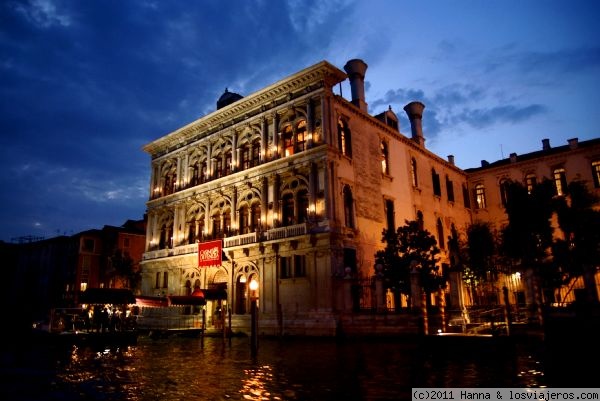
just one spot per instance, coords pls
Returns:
(440, 233)
(288, 141)
(560, 181)
(302, 206)
(287, 209)
(480, 196)
(450, 189)
(385, 163)
(244, 219)
(228, 163)
(413, 172)
(245, 154)
(344, 138)
(255, 216)
(255, 153)
(348, 207)
(301, 136)
(226, 222)
(203, 173)
(216, 225)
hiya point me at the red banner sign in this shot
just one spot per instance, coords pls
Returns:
(209, 253)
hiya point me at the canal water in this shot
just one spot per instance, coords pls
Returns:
(190, 369)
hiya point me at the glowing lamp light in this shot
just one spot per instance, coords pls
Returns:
(253, 285)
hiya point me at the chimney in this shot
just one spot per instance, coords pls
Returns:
(451, 159)
(414, 110)
(485, 163)
(513, 157)
(356, 69)
(573, 143)
(545, 144)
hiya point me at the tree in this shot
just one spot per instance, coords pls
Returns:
(578, 251)
(123, 269)
(410, 246)
(481, 265)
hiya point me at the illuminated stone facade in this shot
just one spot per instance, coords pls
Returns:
(300, 184)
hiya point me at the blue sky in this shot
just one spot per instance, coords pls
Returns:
(84, 85)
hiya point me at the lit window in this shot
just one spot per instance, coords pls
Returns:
(288, 142)
(344, 138)
(596, 173)
(480, 196)
(300, 136)
(530, 182)
(560, 181)
(384, 158)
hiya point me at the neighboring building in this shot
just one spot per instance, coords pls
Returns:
(52, 273)
(297, 184)
(574, 161)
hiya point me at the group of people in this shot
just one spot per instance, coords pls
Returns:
(94, 318)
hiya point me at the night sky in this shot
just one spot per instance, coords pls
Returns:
(86, 84)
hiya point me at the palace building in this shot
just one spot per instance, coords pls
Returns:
(296, 184)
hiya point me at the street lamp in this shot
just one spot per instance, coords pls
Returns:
(254, 317)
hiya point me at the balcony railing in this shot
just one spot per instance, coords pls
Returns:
(284, 232)
(237, 240)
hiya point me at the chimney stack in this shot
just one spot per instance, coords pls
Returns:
(451, 159)
(356, 69)
(573, 143)
(545, 144)
(414, 110)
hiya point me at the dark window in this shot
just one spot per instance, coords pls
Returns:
(244, 219)
(504, 192)
(413, 172)
(245, 157)
(165, 280)
(287, 210)
(350, 259)
(437, 188)
(466, 197)
(389, 215)
(440, 233)
(285, 267)
(88, 245)
(450, 189)
(157, 282)
(302, 206)
(299, 266)
(348, 207)
(255, 153)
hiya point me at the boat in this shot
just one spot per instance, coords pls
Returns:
(105, 316)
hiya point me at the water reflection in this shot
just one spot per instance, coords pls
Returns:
(192, 369)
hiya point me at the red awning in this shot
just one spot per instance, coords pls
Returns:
(186, 300)
(146, 300)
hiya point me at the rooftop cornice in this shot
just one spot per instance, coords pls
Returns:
(321, 73)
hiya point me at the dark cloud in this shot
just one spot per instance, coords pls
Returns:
(482, 118)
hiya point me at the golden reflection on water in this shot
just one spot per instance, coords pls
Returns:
(255, 383)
